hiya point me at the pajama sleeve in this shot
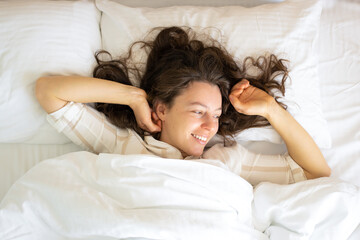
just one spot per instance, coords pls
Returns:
(87, 127)
(256, 168)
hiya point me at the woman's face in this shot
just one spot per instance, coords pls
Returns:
(193, 119)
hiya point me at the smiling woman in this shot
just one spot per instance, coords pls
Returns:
(189, 91)
(193, 118)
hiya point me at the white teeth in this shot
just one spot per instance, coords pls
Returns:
(199, 137)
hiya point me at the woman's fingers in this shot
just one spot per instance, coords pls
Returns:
(235, 94)
(240, 87)
(237, 104)
(156, 120)
(153, 124)
(145, 117)
(151, 127)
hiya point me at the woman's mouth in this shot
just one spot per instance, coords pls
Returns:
(199, 138)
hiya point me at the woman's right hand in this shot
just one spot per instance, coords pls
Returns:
(145, 117)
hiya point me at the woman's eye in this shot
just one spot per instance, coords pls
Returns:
(197, 112)
(217, 116)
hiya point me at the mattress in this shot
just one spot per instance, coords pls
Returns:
(17, 159)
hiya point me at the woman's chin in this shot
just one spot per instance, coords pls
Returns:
(194, 152)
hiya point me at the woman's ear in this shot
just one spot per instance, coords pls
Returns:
(160, 110)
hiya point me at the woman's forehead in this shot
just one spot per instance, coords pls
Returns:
(204, 105)
(202, 94)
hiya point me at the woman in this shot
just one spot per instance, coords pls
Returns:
(189, 92)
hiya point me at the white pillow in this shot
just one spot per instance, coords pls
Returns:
(288, 29)
(39, 38)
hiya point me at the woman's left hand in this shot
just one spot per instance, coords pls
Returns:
(250, 100)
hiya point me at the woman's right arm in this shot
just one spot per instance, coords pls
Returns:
(54, 92)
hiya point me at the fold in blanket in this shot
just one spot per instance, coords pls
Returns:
(324, 208)
(86, 196)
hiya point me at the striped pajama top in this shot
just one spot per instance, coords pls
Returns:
(90, 129)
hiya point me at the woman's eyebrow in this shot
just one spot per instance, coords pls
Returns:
(203, 105)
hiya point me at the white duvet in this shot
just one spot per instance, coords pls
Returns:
(86, 196)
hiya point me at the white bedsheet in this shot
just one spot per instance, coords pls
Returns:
(86, 196)
(339, 71)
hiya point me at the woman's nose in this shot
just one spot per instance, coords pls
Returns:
(210, 123)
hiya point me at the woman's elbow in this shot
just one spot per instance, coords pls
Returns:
(326, 172)
(45, 96)
(40, 89)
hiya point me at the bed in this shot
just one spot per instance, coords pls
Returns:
(321, 39)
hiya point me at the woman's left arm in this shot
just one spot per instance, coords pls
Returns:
(250, 100)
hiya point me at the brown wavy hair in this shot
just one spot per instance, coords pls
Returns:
(175, 59)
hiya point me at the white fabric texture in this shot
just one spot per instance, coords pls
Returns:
(86, 196)
(40, 38)
(323, 208)
(288, 29)
(339, 71)
(107, 196)
(214, 3)
(339, 75)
